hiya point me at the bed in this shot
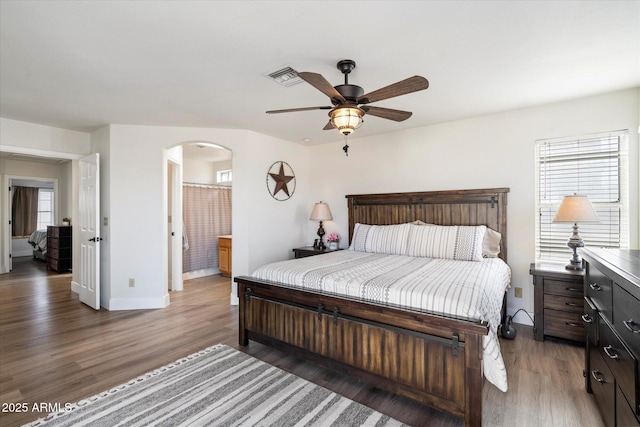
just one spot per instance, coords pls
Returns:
(435, 356)
(38, 239)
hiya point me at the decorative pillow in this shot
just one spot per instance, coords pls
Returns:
(491, 243)
(459, 242)
(418, 222)
(380, 239)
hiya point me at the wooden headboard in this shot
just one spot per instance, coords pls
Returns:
(456, 207)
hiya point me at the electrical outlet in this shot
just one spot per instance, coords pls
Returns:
(132, 282)
(518, 292)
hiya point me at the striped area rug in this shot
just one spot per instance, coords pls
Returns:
(218, 386)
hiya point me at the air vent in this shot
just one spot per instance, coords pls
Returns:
(285, 76)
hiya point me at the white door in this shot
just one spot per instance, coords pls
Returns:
(90, 230)
(175, 229)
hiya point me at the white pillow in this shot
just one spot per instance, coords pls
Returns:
(459, 242)
(491, 244)
(380, 239)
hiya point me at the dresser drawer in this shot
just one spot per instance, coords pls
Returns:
(624, 414)
(627, 318)
(599, 289)
(564, 324)
(620, 361)
(560, 287)
(603, 387)
(572, 304)
(57, 231)
(53, 243)
(59, 253)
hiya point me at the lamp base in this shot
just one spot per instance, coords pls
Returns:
(574, 267)
(575, 242)
(321, 233)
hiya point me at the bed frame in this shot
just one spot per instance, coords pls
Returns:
(431, 358)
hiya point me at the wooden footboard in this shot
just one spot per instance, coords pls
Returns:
(435, 360)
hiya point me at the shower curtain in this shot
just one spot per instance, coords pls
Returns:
(206, 214)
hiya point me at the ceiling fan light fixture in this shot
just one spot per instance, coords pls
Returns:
(346, 119)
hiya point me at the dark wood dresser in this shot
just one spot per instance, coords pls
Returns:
(59, 248)
(612, 318)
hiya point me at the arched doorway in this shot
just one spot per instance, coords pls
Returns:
(199, 181)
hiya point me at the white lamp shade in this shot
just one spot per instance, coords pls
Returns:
(576, 209)
(321, 212)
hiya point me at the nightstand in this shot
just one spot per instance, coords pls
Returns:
(310, 251)
(558, 302)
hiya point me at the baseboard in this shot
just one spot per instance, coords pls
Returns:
(116, 304)
(75, 287)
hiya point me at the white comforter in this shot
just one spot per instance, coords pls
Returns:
(469, 289)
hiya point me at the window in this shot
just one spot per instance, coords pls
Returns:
(45, 208)
(225, 176)
(595, 166)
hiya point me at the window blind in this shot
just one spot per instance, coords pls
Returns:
(45, 208)
(595, 166)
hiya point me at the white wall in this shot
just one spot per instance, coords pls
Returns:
(31, 138)
(204, 172)
(264, 229)
(484, 152)
(199, 171)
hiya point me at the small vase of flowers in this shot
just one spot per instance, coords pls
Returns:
(333, 239)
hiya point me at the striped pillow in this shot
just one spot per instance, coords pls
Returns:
(380, 239)
(459, 242)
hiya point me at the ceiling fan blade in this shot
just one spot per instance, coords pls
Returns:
(387, 113)
(412, 84)
(316, 80)
(293, 110)
(328, 126)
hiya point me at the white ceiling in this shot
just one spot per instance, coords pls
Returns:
(83, 64)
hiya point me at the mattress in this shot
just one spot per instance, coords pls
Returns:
(468, 289)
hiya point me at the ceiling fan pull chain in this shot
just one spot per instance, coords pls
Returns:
(346, 147)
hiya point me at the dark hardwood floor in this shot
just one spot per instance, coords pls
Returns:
(54, 349)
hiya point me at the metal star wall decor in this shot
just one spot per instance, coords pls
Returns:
(281, 181)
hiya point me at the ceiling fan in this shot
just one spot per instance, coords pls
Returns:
(350, 103)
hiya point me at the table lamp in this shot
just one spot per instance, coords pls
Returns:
(575, 209)
(321, 213)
